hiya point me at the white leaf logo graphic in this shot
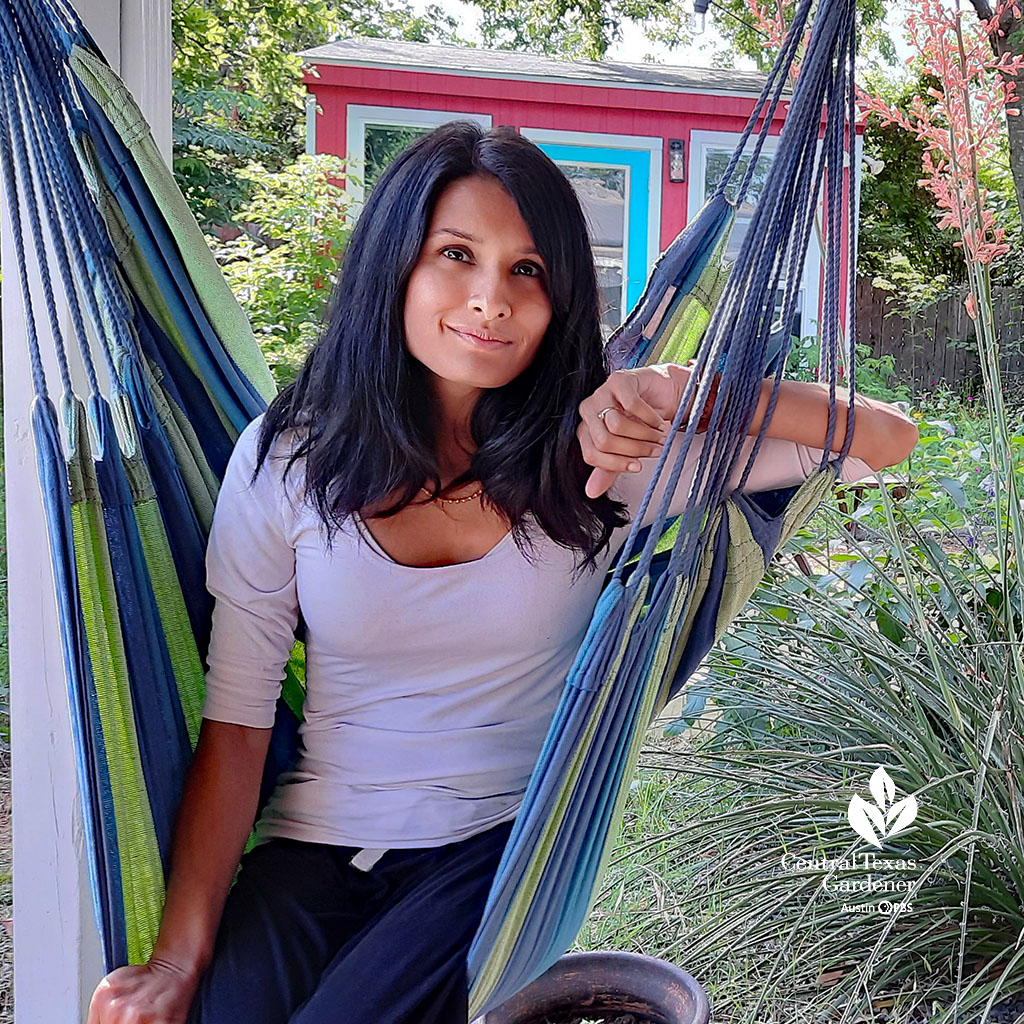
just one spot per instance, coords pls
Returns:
(883, 789)
(865, 818)
(900, 815)
(884, 818)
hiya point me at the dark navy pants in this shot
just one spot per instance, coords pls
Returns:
(307, 938)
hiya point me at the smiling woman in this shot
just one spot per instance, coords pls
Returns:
(437, 498)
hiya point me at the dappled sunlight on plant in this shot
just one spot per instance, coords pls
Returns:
(283, 268)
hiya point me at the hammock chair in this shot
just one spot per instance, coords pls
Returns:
(129, 474)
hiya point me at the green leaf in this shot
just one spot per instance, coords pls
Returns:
(889, 627)
(955, 490)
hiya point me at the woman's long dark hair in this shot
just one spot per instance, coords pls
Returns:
(361, 405)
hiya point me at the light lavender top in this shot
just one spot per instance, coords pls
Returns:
(429, 690)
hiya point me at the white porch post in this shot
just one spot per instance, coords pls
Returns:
(57, 961)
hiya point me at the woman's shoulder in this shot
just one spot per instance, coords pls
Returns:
(282, 445)
(278, 477)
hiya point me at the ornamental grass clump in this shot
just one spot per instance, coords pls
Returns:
(840, 696)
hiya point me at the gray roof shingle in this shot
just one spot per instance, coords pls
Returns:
(362, 51)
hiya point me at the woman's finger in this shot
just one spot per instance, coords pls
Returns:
(614, 463)
(620, 393)
(598, 482)
(97, 1006)
(605, 460)
(617, 454)
(617, 423)
(639, 409)
(629, 388)
(614, 444)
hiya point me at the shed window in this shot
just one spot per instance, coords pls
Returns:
(715, 163)
(381, 144)
(375, 135)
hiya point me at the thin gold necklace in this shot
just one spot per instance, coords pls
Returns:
(452, 501)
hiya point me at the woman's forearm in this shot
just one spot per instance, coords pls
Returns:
(218, 807)
(882, 435)
(640, 403)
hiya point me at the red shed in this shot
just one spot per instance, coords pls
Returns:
(643, 144)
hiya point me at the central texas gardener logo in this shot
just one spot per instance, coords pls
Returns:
(884, 818)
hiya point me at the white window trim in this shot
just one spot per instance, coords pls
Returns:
(654, 146)
(312, 109)
(358, 116)
(700, 142)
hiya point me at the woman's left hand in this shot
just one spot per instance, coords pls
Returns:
(638, 408)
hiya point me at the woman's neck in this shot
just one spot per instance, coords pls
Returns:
(453, 438)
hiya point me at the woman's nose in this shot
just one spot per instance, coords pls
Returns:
(490, 297)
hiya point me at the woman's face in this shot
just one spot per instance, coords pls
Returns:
(476, 306)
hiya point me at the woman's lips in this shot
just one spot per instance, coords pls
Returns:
(477, 340)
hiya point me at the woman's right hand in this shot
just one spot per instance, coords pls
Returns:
(218, 807)
(155, 993)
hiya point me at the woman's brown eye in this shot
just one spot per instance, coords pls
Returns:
(535, 271)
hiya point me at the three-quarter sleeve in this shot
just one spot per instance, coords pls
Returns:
(250, 571)
(779, 463)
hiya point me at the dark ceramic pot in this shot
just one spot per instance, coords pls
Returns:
(606, 985)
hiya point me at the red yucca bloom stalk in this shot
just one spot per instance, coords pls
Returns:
(770, 21)
(961, 121)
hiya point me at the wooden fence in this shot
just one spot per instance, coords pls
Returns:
(939, 344)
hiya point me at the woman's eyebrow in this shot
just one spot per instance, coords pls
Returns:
(472, 238)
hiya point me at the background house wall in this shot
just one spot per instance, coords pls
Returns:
(523, 104)
(610, 107)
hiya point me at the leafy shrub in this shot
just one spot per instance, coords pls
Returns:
(875, 376)
(283, 267)
(949, 473)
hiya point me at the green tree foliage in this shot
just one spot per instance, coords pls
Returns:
(585, 29)
(734, 21)
(997, 177)
(578, 29)
(900, 242)
(1007, 38)
(557, 28)
(284, 275)
(238, 93)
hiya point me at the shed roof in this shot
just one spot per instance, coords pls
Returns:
(363, 51)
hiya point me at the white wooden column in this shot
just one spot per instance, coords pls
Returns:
(57, 961)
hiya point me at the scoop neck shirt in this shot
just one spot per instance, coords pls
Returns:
(429, 689)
